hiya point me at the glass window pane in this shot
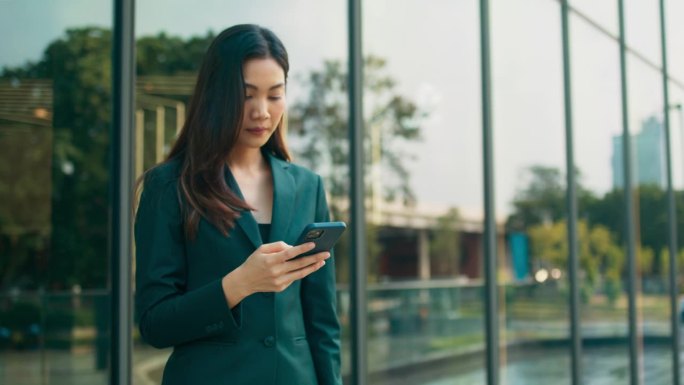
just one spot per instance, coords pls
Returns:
(677, 149)
(642, 28)
(55, 119)
(529, 159)
(598, 128)
(675, 40)
(650, 187)
(424, 192)
(602, 13)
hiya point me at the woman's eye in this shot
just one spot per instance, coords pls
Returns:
(275, 97)
(248, 96)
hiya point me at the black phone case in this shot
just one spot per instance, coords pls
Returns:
(331, 232)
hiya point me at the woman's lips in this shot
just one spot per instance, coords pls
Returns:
(257, 130)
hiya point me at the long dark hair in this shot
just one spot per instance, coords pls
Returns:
(213, 122)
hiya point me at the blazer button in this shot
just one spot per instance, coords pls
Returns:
(269, 341)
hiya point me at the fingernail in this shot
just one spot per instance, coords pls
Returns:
(323, 263)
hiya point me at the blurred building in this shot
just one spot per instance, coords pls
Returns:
(648, 149)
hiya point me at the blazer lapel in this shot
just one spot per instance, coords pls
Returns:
(283, 199)
(246, 220)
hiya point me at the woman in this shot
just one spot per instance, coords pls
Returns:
(216, 278)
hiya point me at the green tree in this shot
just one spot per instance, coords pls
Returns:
(445, 244)
(170, 55)
(542, 200)
(320, 121)
(79, 66)
(651, 220)
(603, 248)
(665, 264)
(599, 255)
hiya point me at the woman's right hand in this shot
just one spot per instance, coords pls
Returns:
(271, 268)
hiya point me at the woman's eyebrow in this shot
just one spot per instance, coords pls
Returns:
(252, 86)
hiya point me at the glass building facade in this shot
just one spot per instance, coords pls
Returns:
(512, 174)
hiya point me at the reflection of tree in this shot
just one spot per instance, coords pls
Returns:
(651, 216)
(26, 145)
(599, 254)
(170, 55)
(320, 123)
(665, 264)
(445, 244)
(79, 67)
(543, 201)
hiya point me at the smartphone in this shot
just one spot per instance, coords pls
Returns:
(323, 234)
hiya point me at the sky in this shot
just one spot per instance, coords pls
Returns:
(432, 49)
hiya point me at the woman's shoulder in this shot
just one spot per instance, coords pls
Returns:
(163, 173)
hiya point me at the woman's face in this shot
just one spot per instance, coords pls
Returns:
(264, 101)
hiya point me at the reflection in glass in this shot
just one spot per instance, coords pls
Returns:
(529, 148)
(677, 149)
(600, 12)
(642, 30)
(675, 38)
(55, 117)
(598, 128)
(650, 187)
(423, 193)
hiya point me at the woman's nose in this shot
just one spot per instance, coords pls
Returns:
(259, 110)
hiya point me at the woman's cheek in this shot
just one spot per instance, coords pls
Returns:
(279, 109)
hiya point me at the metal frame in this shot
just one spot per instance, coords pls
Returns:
(359, 362)
(571, 204)
(671, 206)
(490, 265)
(121, 163)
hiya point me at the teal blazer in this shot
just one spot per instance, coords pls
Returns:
(290, 338)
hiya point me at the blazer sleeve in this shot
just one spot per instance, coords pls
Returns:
(319, 304)
(168, 313)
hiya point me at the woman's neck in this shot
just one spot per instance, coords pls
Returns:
(246, 160)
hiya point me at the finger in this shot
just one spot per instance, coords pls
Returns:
(298, 263)
(303, 272)
(295, 251)
(274, 247)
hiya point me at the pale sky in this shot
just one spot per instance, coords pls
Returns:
(432, 48)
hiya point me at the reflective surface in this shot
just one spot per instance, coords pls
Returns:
(675, 38)
(423, 177)
(602, 13)
(55, 117)
(650, 187)
(529, 148)
(424, 189)
(598, 130)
